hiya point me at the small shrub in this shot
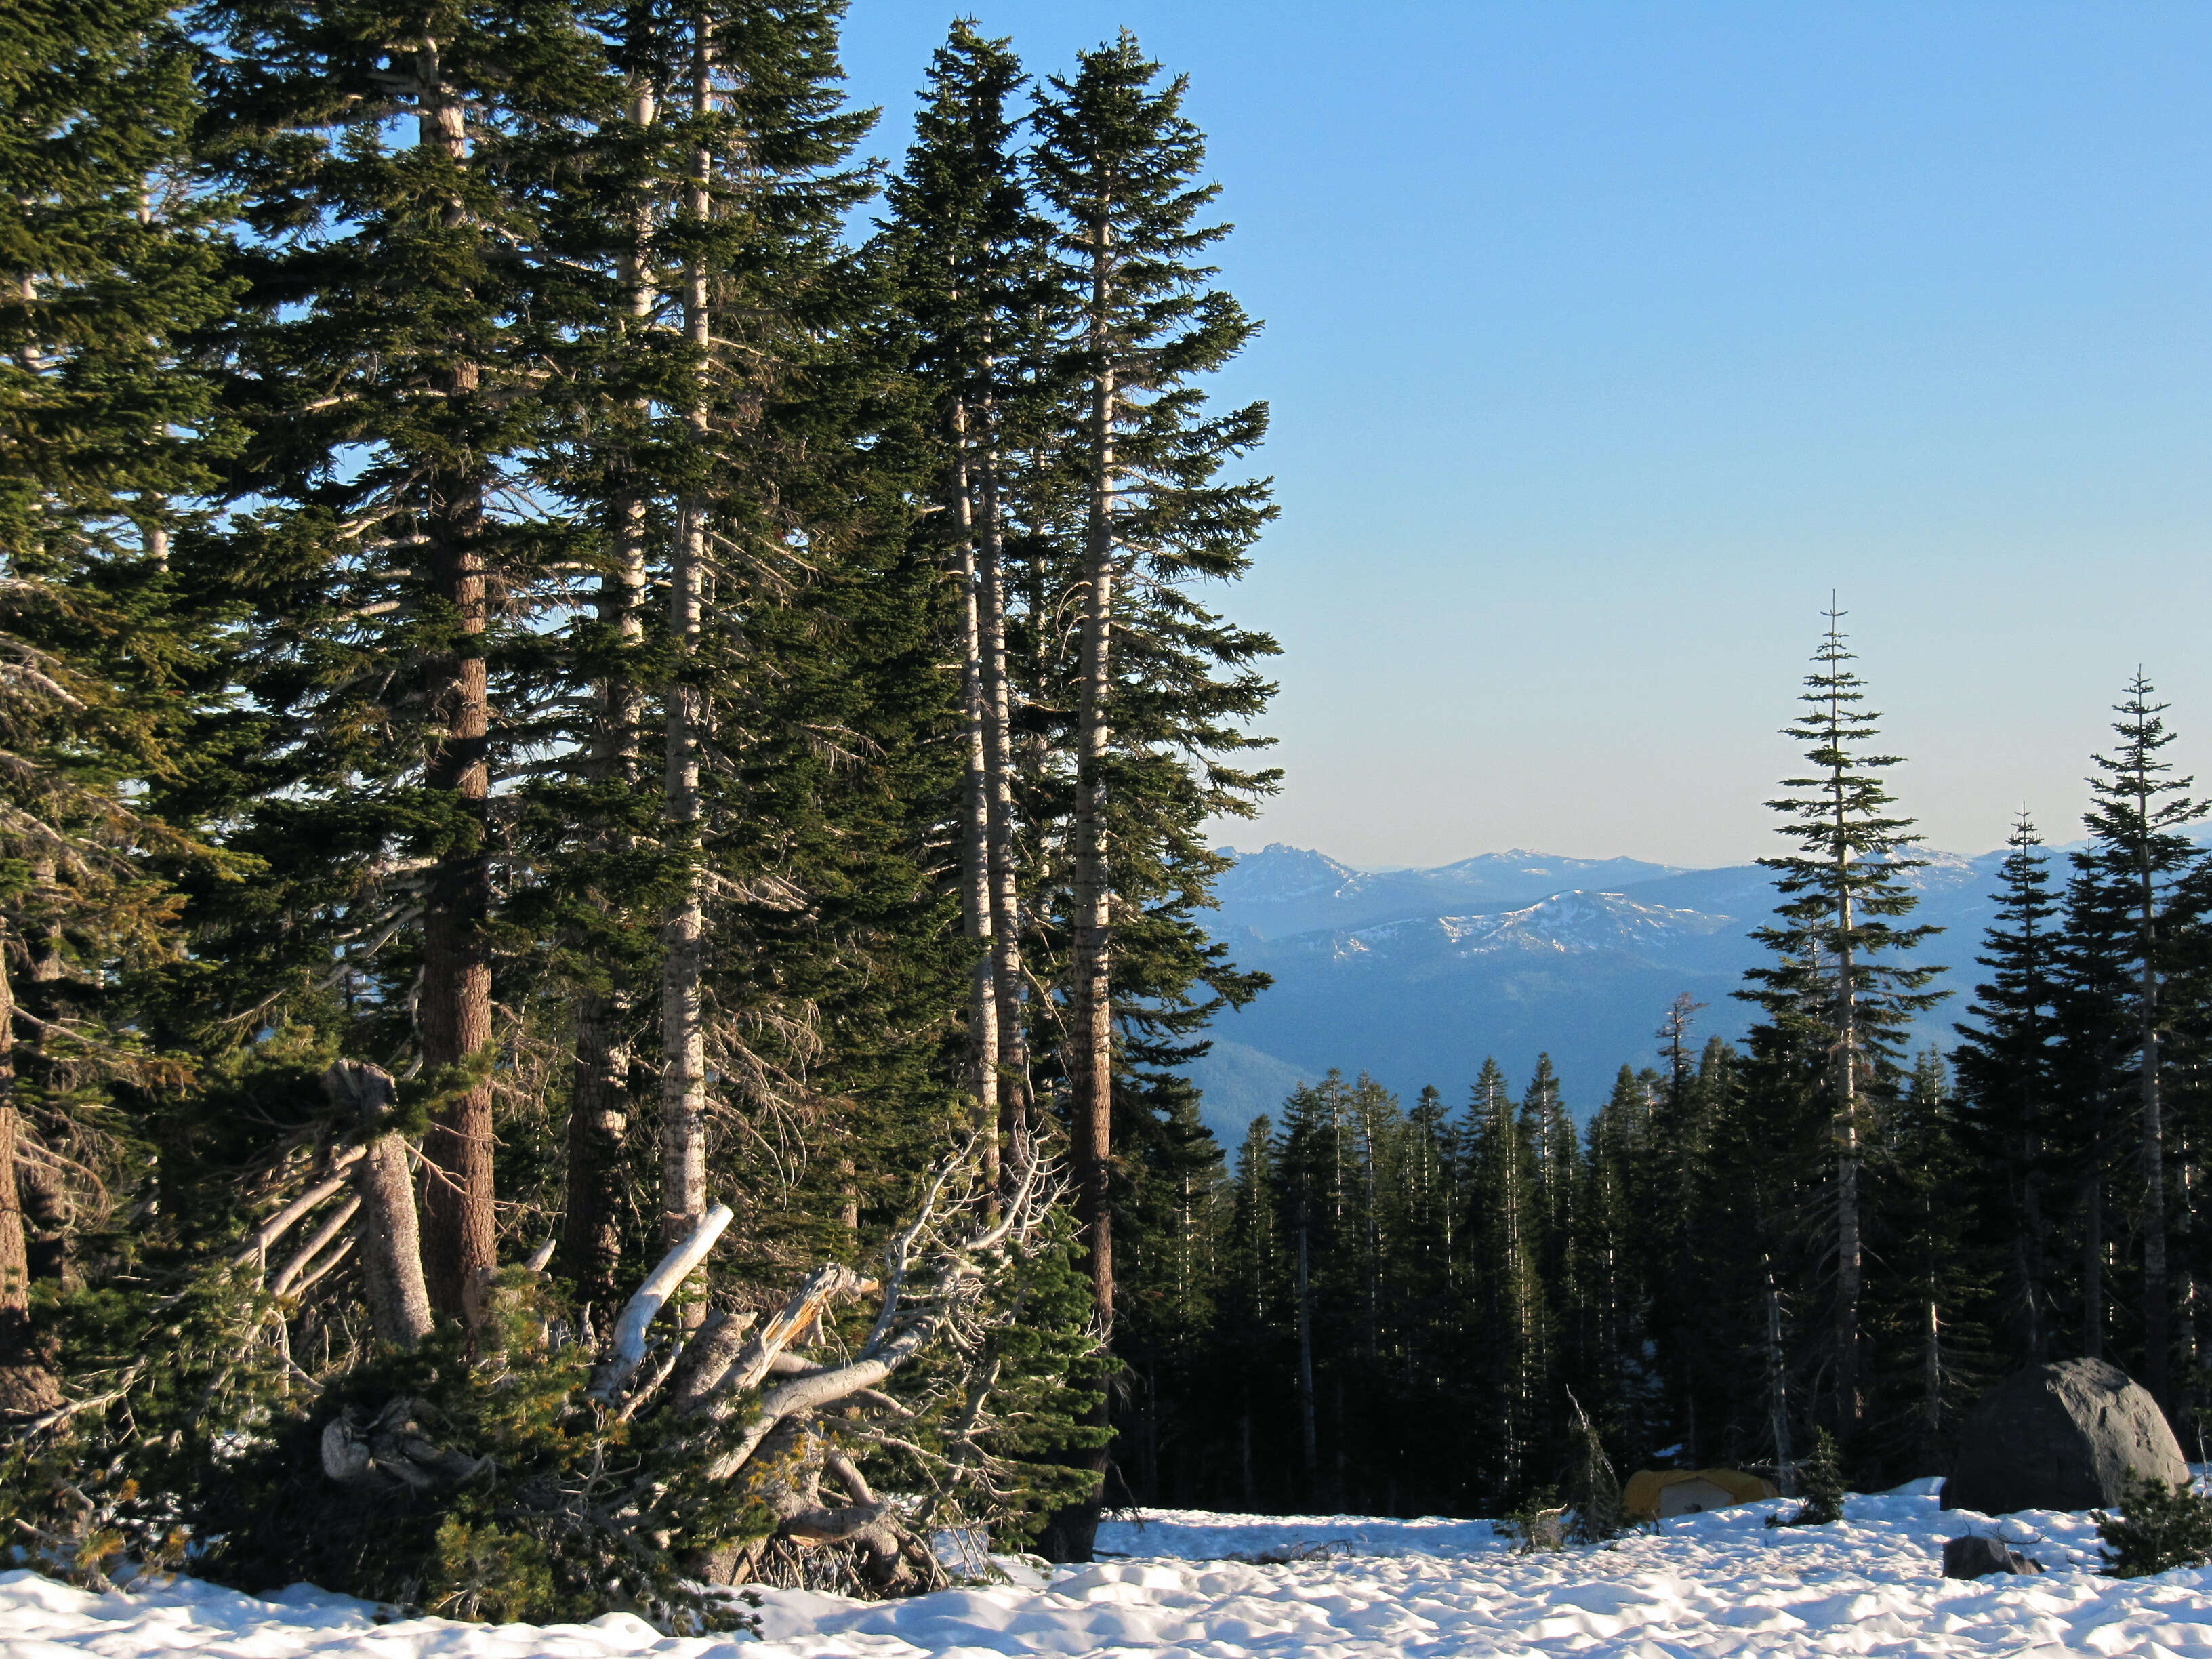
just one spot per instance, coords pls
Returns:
(1824, 1485)
(2159, 1528)
(1538, 1525)
(1593, 1490)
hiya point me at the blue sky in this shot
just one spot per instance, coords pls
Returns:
(1603, 340)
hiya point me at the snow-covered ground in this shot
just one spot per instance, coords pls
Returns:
(1709, 1585)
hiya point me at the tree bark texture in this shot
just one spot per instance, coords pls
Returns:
(683, 1005)
(453, 1016)
(1777, 1386)
(2157, 1289)
(1090, 1023)
(975, 906)
(599, 1097)
(1004, 889)
(389, 1237)
(599, 1121)
(28, 1384)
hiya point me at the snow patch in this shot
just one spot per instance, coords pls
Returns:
(1717, 1583)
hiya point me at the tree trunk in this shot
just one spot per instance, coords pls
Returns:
(599, 1096)
(453, 1020)
(2158, 1295)
(28, 1383)
(390, 1242)
(1090, 1023)
(2093, 1259)
(682, 1012)
(1931, 1379)
(975, 906)
(2034, 1271)
(1850, 1245)
(1004, 893)
(599, 1119)
(1777, 1386)
(1306, 1369)
(1090, 1031)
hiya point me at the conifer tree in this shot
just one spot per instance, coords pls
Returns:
(1612, 1232)
(1842, 893)
(2128, 877)
(108, 270)
(2094, 1015)
(1547, 1134)
(1252, 1297)
(394, 561)
(1675, 1180)
(2008, 1087)
(1116, 162)
(966, 250)
(1931, 1287)
(1513, 1340)
(1430, 1272)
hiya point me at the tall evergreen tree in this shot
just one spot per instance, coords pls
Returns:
(1677, 1181)
(1612, 1294)
(108, 270)
(1513, 1340)
(395, 560)
(966, 251)
(2129, 876)
(1116, 161)
(2009, 1089)
(1843, 894)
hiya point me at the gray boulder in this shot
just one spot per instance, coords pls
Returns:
(1977, 1557)
(2061, 1436)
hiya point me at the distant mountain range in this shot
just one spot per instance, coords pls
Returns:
(1415, 976)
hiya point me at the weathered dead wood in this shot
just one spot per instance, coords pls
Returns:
(637, 1315)
(307, 1252)
(326, 1267)
(389, 1232)
(256, 1244)
(391, 1448)
(750, 1364)
(949, 1266)
(708, 1358)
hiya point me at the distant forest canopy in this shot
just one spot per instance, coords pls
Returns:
(602, 783)
(1411, 1309)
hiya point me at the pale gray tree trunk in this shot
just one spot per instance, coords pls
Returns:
(1091, 1022)
(390, 1238)
(1004, 889)
(976, 905)
(683, 1013)
(28, 1385)
(2157, 1291)
(598, 1117)
(1778, 1385)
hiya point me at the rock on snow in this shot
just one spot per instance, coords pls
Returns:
(1709, 1585)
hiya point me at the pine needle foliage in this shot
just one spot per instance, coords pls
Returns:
(2159, 1529)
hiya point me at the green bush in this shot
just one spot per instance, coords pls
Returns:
(1538, 1525)
(1593, 1489)
(2159, 1528)
(1824, 1485)
(569, 1513)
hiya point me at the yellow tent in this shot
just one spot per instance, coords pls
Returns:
(1659, 1494)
